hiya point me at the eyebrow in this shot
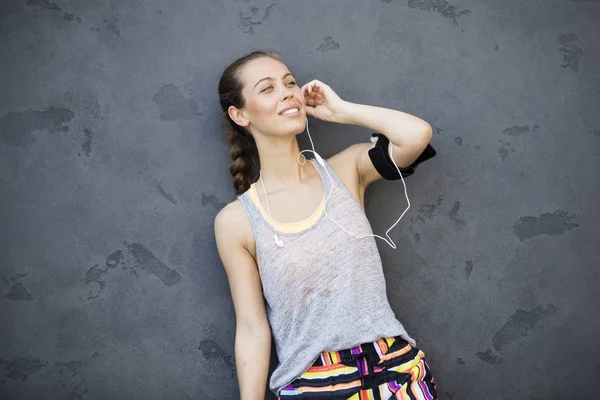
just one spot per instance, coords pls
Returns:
(270, 78)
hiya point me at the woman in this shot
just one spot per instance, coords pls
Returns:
(294, 271)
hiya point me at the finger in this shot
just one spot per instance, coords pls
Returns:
(306, 87)
(312, 84)
(310, 92)
(320, 90)
(326, 88)
(310, 111)
(319, 84)
(313, 99)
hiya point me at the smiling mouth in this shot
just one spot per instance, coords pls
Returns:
(290, 111)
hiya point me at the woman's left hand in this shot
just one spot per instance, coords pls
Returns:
(322, 102)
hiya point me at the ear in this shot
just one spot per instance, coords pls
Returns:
(238, 116)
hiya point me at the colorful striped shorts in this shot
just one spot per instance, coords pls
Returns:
(389, 368)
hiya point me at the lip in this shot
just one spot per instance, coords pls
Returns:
(289, 108)
(291, 115)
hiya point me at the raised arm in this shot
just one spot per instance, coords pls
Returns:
(253, 334)
(408, 134)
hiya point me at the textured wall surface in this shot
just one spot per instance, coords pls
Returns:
(113, 166)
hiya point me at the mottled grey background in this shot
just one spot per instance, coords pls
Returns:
(113, 166)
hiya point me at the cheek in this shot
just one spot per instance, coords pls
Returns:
(262, 105)
(300, 95)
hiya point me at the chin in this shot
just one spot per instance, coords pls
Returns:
(301, 127)
(295, 126)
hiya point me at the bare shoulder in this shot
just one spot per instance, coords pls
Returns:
(230, 215)
(232, 226)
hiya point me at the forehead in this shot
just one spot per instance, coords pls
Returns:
(260, 68)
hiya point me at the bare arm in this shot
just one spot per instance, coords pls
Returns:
(253, 334)
(408, 134)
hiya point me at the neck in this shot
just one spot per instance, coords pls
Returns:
(279, 163)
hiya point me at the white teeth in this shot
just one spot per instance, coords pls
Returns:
(290, 111)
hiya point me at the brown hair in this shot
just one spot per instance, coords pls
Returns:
(241, 141)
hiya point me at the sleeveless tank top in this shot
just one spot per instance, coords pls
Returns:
(324, 289)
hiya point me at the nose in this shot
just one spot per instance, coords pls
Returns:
(287, 93)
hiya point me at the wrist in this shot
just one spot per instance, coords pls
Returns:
(346, 113)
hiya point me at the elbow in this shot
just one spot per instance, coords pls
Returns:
(256, 328)
(253, 335)
(419, 139)
(426, 134)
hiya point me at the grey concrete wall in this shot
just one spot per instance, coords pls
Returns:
(113, 166)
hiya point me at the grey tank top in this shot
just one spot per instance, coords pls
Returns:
(324, 289)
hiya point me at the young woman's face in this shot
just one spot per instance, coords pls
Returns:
(269, 90)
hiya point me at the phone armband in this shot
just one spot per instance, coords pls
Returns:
(382, 161)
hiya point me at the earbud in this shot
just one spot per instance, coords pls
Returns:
(278, 241)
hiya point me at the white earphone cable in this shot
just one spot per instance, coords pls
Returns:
(320, 160)
(389, 240)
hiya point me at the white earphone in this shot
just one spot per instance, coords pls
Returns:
(320, 160)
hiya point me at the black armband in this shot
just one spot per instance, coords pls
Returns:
(382, 161)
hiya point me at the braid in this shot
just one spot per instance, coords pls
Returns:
(241, 145)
